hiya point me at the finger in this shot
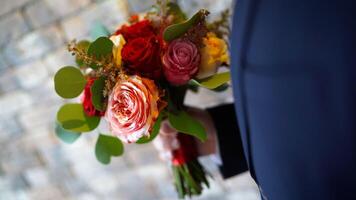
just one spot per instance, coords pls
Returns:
(170, 143)
(166, 142)
(167, 129)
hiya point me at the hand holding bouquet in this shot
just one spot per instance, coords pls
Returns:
(137, 77)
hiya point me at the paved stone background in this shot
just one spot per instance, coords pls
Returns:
(34, 164)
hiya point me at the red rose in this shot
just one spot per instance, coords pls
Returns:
(140, 29)
(88, 106)
(181, 61)
(142, 54)
(142, 51)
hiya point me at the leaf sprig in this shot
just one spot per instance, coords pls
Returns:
(81, 54)
(106, 66)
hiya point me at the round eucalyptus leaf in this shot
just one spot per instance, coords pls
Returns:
(69, 82)
(100, 48)
(99, 30)
(72, 117)
(107, 146)
(66, 135)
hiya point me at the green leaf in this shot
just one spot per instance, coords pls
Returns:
(65, 135)
(176, 11)
(186, 124)
(188, 179)
(214, 81)
(97, 93)
(69, 82)
(193, 86)
(177, 30)
(107, 146)
(100, 49)
(82, 45)
(72, 117)
(154, 132)
(198, 172)
(99, 30)
(221, 88)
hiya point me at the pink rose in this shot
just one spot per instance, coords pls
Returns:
(132, 108)
(181, 61)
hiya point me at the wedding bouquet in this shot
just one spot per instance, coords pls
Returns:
(137, 77)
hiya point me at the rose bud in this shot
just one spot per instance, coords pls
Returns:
(88, 106)
(213, 54)
(132, 108)
(181, 61)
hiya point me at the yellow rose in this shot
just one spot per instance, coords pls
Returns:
(213, 54)
(119, 43)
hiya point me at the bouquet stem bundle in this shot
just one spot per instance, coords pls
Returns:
(189, 174)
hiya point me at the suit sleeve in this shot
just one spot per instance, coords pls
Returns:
(229, 140)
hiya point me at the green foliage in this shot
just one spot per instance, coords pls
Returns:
(198, 172)
(82, 46)
(154, 132)
(178, 180)
(99, 30)
(97, 93)
(214, 81)
(221, 88)
(177, 30)
(193, 86)
(189, 178)
(192, 184)
(107, 146)
(184, 123)
(69, 82)
(101, 48)
(65, 135)
(176, 11)
(72, 117)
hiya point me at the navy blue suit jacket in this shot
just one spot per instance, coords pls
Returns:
(294, 81)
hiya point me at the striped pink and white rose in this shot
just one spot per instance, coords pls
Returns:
(132, 108)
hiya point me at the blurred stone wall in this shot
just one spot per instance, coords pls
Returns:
(34, 164)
